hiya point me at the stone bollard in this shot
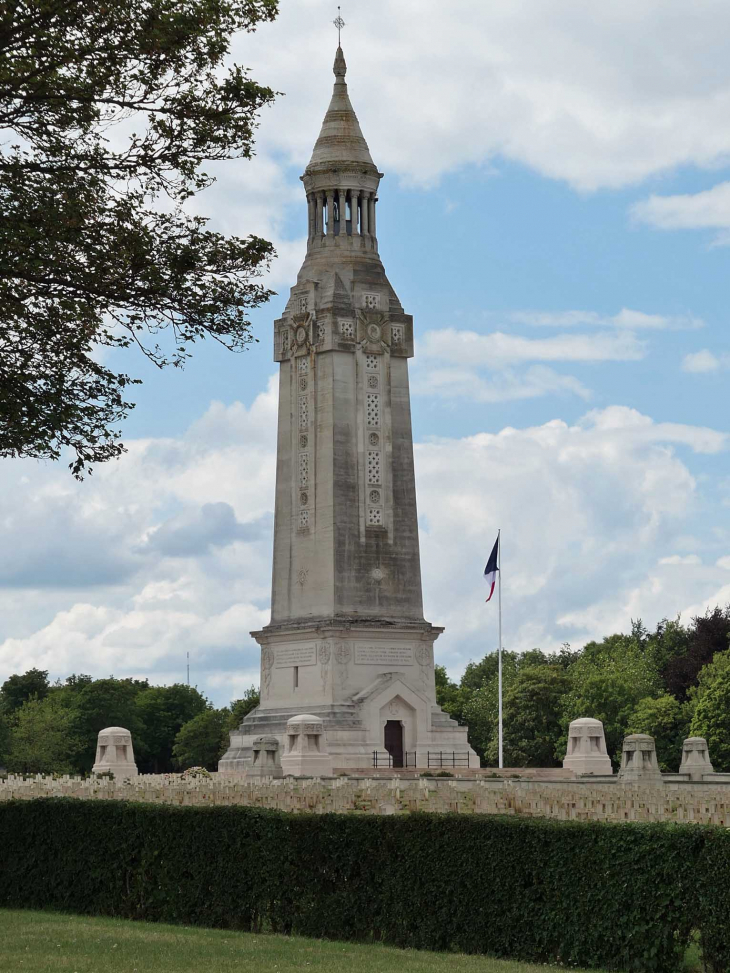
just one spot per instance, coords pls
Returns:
(305, 752)
(587, 752)
(695, 758)
(114, 753)
(638, 759)
(266, 758)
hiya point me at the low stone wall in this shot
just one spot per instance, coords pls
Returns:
(580, 800)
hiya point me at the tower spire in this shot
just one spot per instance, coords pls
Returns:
(339, 24)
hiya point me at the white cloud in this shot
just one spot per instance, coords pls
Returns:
(687, 559)
(572, 90)
(724, 562)
(692, 211)
(700, 362)
(587, 511)
(507, 386)
(626, 318)
(497, 350)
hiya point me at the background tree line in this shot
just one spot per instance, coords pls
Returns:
(672, 683)
(48, 728)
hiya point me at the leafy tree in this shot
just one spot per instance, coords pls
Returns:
(532, 711)
(481, 711)
(110, 111)
(17, 689)
(447, 691)
(608, 680)
(103, 703)
(667, 720)
(164, 710)
(4, 740)
(669, 641)
(240, 708)
(711, 719)
(199, 741)
(42, 738)
(707, 635)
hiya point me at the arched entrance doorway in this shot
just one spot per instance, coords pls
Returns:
(393, 741)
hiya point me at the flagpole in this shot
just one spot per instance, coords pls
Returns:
(499, 578)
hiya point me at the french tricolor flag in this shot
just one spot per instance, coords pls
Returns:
(490, 572)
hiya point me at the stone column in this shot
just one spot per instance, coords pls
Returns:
(330, 213)
(311, 216)
(365, 215)
(319, 211)
(342, 212)
(373, 230)
(354, 196)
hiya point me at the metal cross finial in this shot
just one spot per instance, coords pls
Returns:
(339, 24)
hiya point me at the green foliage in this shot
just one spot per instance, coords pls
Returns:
(109, 112)
(481, 710)
(618, 896)
(532, 711)
(42, 738)
(608, 680)
(199, 741)
(667, 720)
(711, 718)
(447, 692)
(242, 707)
(103, 703)
(163, 711)
(17, 689)
(708, 635)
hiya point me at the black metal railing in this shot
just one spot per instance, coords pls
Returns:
(434, 758)
(444, 758)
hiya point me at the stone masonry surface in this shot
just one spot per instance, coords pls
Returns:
(700, 803)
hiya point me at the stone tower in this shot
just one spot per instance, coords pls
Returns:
(347, 639)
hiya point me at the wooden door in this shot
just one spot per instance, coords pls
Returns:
(394, 741)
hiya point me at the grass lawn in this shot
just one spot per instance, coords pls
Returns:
(47, 942)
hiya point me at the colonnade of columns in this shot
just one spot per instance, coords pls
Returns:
(325, 205)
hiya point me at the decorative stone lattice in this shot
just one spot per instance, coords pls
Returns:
(375, 517)
(371, 363)
(374, 439)
(303, 442)
(303, 411)
(303, 304)
(347, 330)
(302, 384)
(396, 334)
(374, 496)
(372, 381)
(285, 340)
(304, 499)
(373, 466)
(372, 409)
(371, 301)
(303, 469)
(321, 333)
(304, 518)
(303, 366)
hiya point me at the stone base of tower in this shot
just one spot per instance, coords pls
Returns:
(371, 682)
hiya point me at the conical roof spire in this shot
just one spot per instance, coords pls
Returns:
(340, 139)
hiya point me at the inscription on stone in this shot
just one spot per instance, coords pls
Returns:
(296, 655)
(384, 655)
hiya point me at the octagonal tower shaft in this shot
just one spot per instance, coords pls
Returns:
(346, 530)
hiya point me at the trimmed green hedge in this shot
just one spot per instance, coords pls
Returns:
(618, 896)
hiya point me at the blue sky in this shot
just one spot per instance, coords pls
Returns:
(556, 216)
